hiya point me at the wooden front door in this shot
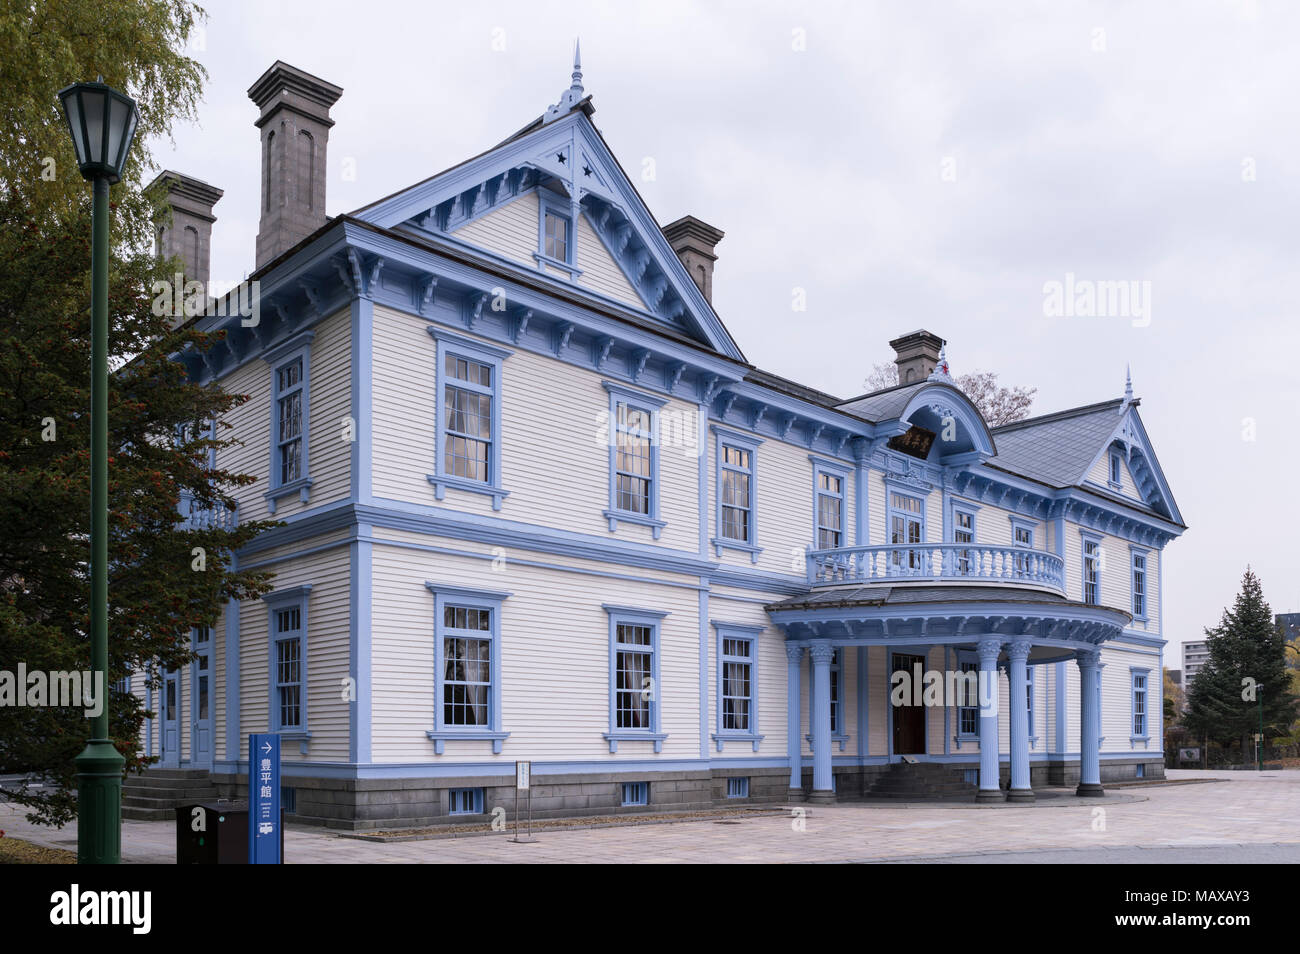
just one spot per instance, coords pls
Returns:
(909, 718)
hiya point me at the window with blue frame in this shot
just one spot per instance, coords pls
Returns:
(633, 458)
(468, 452)
(837, 703)
(290, 419)
(634, 676)
(736, 704)
(1116, 469)
(968, 711)
(1139, 585)
(736, 474)
(1139, 707)
(1091, 570)
(465, 801)
(467, 666)
(963, 531)
(906, 532)
(636, 793)
(288, 631)
(830, 487)
(1029, 701)
(556, 237)
(738, 786)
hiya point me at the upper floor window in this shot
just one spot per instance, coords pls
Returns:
(633, 458)
(737, 472)
(1091, 571)
(468, 453)
(830, 509)
(906, 531)
(1116, 469)
(556, 244)
(1139, 585)
(963, 531)
(467, 666)
(290, 407)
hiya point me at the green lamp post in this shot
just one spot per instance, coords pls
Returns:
(102, 122)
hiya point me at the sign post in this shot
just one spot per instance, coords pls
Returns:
(264, 838)
(523, 779)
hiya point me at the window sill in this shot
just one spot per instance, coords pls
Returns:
(1135, 739)
(959, 739)
(573, 270)
(627, 516)
(614, 738)
(442, 736)
(721, 738)
(839, 737)
(441, 483)
(301, 486)
(722, 543)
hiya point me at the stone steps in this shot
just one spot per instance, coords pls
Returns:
(921, 780)
(157, 793)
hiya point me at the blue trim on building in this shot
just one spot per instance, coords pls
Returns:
(296, 348)
(750, 636)
(634, 616)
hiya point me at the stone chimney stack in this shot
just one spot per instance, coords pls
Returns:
(694, 242)
(189, 234)
(295, 124)
(917, 354)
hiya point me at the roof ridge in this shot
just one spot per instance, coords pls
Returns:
(1060, 415)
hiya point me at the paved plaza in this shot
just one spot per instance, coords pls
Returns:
(1241, 817)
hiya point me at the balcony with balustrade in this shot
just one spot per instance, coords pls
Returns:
(938, 563)
(194, 517)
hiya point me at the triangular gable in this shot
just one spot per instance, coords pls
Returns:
(1140, 470)
(569, 158)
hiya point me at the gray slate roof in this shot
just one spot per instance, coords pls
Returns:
(883, 405)
(1056, 449)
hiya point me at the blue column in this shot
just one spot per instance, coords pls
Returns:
(793, 658)
(990, 790)
(821, 719)
(1018, 655)
(1089, 722)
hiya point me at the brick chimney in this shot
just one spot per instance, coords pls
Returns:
(295, 124)
(189, 234)
(917, 354)
(694, 242)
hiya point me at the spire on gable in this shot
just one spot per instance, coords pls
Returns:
(571, 96)
(940, 372)
(1128, 385)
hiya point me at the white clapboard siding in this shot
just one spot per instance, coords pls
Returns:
(1116, 576)
(554, 455)
(599, 270)
(329, 456)
(1100, 474)
(510, 230)
(327, 654)
(554, 659)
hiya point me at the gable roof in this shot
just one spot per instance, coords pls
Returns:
(562, 151)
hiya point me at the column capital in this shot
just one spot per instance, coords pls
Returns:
(793, 653)
(988, 650)
(1087, 658)
(1019, 648)
(821, 653)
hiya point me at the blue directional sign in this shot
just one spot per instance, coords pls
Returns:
(264, 799)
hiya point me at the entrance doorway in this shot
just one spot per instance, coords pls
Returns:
(200, 700)
(171, 730)
(909, 718)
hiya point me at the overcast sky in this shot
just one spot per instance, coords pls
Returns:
(908, 165)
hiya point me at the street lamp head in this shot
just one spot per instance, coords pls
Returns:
(102, 122)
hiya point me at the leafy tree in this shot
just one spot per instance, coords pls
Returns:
(1247, 663)
(164, 579)
(999, 405)
(1175, 700)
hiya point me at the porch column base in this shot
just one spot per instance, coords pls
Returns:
(989, 795)
(1020, 795)
(1089, 790)
(821, 798)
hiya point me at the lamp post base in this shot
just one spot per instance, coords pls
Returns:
(99, 803)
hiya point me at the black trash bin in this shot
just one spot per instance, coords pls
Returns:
(215, 833)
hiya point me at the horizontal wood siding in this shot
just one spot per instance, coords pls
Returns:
(510, 231)
(599, 270)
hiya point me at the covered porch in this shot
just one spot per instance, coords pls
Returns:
(983, 634)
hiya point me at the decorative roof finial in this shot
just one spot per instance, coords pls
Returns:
(571, 96)
(940, 372)
(1128, 385)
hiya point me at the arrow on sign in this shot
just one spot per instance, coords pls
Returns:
(266, 746)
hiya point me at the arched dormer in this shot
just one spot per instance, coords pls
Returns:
(941, 425)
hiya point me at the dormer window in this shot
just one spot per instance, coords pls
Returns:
(1115, 469)
(557, 237)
